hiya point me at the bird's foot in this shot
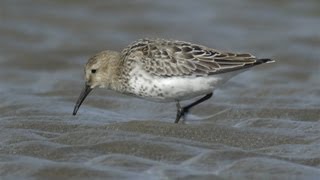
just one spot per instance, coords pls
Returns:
(181, 113)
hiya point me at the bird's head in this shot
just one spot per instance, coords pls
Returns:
(99, 72)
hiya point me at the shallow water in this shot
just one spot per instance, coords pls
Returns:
(263, 124)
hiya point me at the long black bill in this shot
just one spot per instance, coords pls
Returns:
(84, 93)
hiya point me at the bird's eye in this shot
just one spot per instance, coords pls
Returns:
(93, 71)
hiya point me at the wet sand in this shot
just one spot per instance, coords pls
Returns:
(64, 150)
(263, 124)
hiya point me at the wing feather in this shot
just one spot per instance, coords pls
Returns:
(177, 58)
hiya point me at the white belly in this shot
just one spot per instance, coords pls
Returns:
(169, 89)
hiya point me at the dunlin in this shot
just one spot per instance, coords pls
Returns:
(165, 71)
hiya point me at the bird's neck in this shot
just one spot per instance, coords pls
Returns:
(116, 81)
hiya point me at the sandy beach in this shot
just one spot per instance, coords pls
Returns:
(262, 124)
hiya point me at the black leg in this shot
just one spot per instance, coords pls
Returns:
(181, 112)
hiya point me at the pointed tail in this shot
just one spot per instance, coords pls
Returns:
(264, 60)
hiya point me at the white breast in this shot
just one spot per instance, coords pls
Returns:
(167, 89)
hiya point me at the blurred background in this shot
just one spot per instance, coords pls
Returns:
(263, 123)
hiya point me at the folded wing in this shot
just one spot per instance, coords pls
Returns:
(177, 58)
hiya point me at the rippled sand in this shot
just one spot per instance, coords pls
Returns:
(263, 124)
